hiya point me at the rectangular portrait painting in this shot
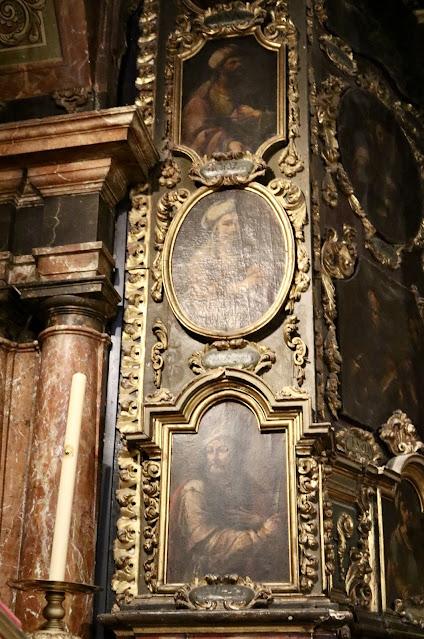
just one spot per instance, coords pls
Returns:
(228, 503)
(382, 348)
(231, 97)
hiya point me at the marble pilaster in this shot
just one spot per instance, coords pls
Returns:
(73, 341)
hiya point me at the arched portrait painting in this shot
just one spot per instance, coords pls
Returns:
(230, 262)
(221, 520)
(403, 547)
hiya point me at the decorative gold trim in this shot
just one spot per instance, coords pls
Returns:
(284, 208)
(168, 205)
(151, 472)
(328, 105)
(170, 174)
(338, 259)
(262, 360)
(328, 525)
(224, 593)
(133, 334)
(340, 53)
(293, 201)
(359, 573)
(288, 416)
(345, 528)
(126, 547)
(161, 333)
(313, 118)
(307, 499)
(226, 20)
(359, 445)
(146, 61)
(400, 435)
(227, 169)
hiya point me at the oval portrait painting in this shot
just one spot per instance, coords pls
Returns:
(230, 261)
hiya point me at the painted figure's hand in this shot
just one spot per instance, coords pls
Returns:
(245, 112)
(242, 518)
(271, 525)
(235, 147)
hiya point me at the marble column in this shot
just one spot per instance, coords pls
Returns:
(73, 341)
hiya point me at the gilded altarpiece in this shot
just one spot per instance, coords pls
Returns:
(253, 473)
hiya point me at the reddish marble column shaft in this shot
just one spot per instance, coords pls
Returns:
(72, 342)
(18, 382)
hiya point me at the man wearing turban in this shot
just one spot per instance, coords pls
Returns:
(215, 119)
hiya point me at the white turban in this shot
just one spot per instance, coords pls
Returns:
(216, 211)
(220, 55)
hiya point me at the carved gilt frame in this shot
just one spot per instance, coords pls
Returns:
(291, 416)
(287, 234)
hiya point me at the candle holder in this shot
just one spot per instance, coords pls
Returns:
(54, 611)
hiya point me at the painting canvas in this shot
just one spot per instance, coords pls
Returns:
(229, 97)
(379, 162)
(403, 547)
(229, 262)
(228, 499)
(382, 349)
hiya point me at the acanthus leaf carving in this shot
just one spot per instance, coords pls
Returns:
(338, 260)
(146, 61)
(234, 593)
(400, 435)
(21, 23)
(235, 353)
(227, 169)
(151, 498)
(168, 205)
(127, 542)
(161, 333)
(359, 572)
(307, 500)
(345, 528)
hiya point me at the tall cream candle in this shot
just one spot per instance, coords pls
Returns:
(67, 479)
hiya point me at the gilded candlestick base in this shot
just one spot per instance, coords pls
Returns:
(54, 611)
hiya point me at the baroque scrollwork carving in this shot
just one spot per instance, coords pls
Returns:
(146, 61)
(307, 500)
(359, 445)
(73, 100)
(151, 494)
(127, 542)
(229, 18)
(236, 353)
(338, 259)
(133, 352)
(227, 592)
(327, 518)
(161, 333)
(168, 205)
(227, 169)
(293, 201)
(359, 573)
(400, 435)
(21, 23)
(345, 527)
(339, 53)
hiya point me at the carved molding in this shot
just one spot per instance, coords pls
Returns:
(328, 105)
(340, 53)
(228, 592)
(227, 169)
(151, 497)
(307, 500)
(345, 527)
(161, 333)
(146, 61)
(293, 201)
(359, 445)
(168, 205)
(126, 548)
(21, 23)
(338, 259)
(400, 435)
(255, 358)
(133, 334)
(327, 516)
(359, 573)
